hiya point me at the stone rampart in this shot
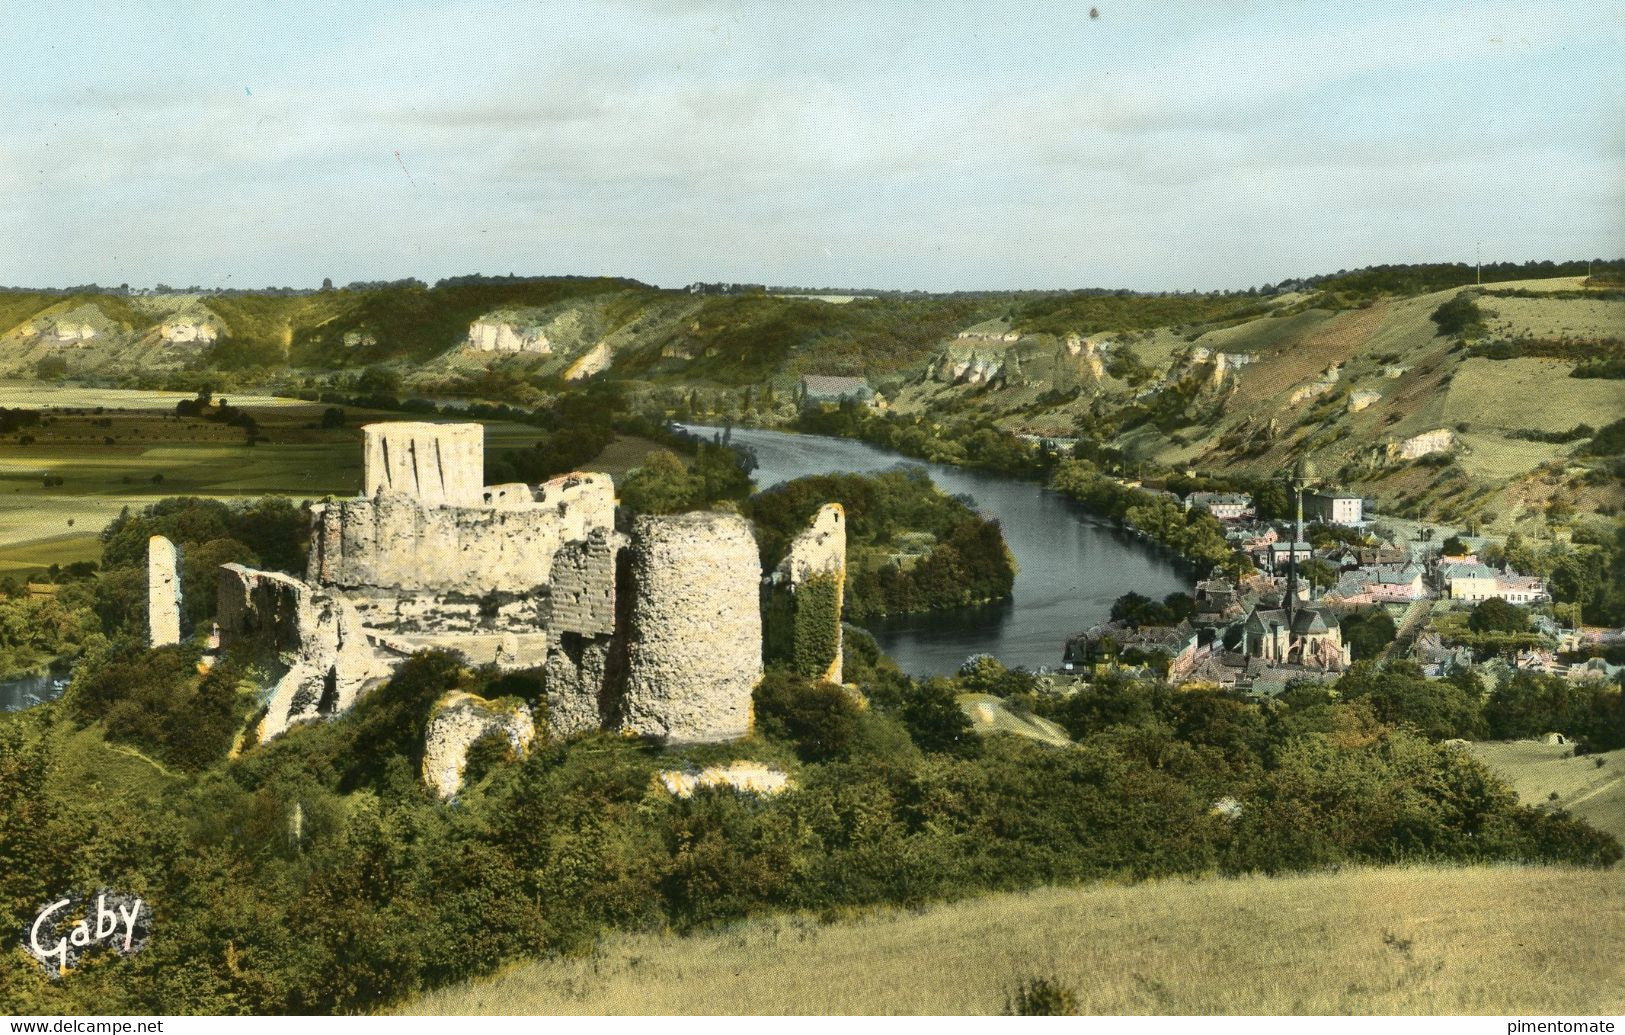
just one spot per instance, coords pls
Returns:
(315, 636)
(395, 542)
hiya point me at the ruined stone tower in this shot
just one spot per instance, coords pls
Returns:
(163, 592)
(814, 570)
(437, 464)
(694, 627)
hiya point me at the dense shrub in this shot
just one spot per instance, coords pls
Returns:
(1459, 318)
(317, 874)
(820, 719)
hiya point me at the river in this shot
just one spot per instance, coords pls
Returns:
(19, 692)
(1070, 567)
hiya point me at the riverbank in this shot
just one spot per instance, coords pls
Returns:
(1070, 566)
(37, 684)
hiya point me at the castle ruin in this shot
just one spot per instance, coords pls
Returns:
(650, 626)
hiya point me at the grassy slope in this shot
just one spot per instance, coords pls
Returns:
(1396, 941)
(1595, 793)
(991, 715)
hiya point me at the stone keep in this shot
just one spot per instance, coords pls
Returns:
(163, 592)
(694, 628)
(819, 551)
(436, 464)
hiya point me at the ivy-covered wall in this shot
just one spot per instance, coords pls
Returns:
(817, 623)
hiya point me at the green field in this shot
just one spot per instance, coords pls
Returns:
(1481, 940)
(1530, 393)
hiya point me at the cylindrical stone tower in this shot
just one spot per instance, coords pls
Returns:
(694, 643)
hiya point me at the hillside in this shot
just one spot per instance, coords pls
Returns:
(1484, 425)
(1591, 787)
(1430, 426)
(1398, 941)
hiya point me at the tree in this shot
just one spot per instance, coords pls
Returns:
(1368, 632)
(1459, 318)
(819, 719)
(937, 723)
(1497, 616)
(661, 486)
(1318, 573)
(1399, 693)
(1455, 547)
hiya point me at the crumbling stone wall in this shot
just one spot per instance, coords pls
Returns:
(694, 630)
(458, 720)
(581, 675)
(163, 592)
(397, 543)
(437, 464)
(583, 587)
(315, 637)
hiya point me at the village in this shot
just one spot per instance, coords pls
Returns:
(1299, 603)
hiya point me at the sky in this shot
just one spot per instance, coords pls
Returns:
(942, 146)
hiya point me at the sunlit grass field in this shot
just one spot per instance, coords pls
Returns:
(1591, 787)
(1481, 940)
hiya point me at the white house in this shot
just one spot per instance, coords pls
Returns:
(1337, 508)
(1226, 506)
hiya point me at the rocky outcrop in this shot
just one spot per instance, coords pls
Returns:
(458, 720)
(497, 335)
(435, 464)
(395, 542)
(1363, 400)
(595, 360)
(188, 332)
(1326, 383)
(968, 364)
(314, 637)
(694, 636)
(748, 777)
(163, 592)
(1440, 440)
